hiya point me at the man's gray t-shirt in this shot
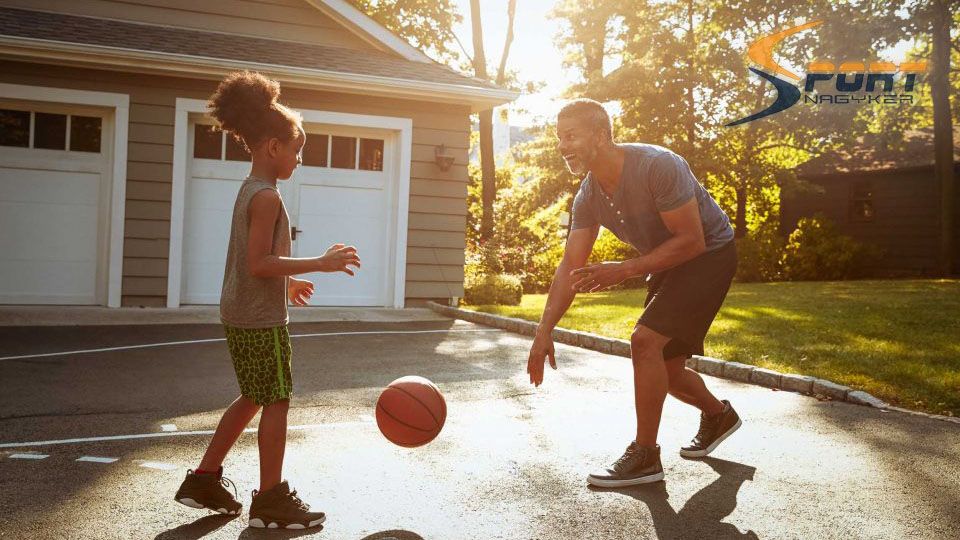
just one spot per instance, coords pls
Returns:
(654, 180)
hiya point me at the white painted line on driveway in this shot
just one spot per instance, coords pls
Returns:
(170, 343)
(159, 465)
(96, 459)
(168, 434)
(168, 427)
(29, 456)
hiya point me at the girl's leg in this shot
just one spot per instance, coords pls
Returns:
(231, 425)
(272, 440)
(686, 385)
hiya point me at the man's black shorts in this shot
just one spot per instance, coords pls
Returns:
(682, 301)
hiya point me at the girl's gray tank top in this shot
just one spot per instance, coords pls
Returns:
(247, 301)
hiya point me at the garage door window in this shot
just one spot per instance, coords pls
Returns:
(340, 152)
(14, 128)
(85, 133)
(209, 142)
(50, 131)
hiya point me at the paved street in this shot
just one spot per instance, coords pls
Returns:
(510, 463)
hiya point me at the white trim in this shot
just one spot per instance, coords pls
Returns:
(403, 128)
(181, 124)
(122, 59)
(120, 104)
(368, 29)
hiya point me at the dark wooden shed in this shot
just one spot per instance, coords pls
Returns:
(882, 193)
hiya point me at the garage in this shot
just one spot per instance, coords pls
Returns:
(345, 191)
(54, 203)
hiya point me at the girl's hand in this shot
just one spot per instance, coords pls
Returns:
(339, 258)
(299, 291)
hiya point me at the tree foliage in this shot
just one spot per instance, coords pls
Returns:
(425, 24)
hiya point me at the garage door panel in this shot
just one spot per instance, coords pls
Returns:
(49, 232)
(341, 202)
(40, 282)
(320, 232)
(206, 232)
(49, 187)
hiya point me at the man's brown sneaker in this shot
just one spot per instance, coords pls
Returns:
(278, 507)
(638, 465)
(208, 491)
(713, 430)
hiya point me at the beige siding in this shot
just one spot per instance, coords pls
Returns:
(437, 204)
(293, 20)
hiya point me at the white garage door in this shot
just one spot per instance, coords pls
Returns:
(341, 193)
(54, 203)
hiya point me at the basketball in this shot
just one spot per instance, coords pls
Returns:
(411, 411)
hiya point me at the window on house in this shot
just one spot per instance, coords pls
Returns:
(85, 133)
(343, 153)
(315, 150)
(50, 131)
(861, 202)
(206, 142)
(14, 128)
(371, 154)
(235, 150)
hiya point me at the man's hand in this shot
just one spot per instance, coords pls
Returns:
(596, 277)
(541, 349)
(299, 291)
(339, 258)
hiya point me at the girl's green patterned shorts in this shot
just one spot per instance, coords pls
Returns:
(261, 358)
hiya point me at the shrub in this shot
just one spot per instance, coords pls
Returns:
(816, 251)
(759, 254)
(504, 289)
(610, 248)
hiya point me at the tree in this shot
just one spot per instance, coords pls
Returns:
(487, 164)
(425, 24)
(684, 76)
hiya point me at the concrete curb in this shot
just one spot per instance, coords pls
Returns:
(736, 371)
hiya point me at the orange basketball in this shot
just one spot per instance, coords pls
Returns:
(411, 411)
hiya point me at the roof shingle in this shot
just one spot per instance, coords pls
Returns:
(151, 38)
(875, 152)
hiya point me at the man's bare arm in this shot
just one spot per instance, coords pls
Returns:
(686, 243)
(575, 254)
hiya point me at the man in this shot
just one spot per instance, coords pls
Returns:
(648, 197)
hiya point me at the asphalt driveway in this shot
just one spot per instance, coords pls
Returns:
(137, 407)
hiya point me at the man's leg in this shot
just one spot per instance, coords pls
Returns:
(687, 385)
(650, 382)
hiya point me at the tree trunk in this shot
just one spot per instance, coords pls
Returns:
(943, 132)
(740, 221)
(691, 75)
(488, 174)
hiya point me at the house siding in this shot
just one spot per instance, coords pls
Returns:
(907, 215)
(292, 20)
(437, 203)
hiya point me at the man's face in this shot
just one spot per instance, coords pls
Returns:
(578, 143)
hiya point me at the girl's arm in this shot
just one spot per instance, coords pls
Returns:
(263, 212)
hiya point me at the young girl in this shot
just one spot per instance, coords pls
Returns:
(257, 283)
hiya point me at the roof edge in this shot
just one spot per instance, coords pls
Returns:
(368, 29)
(121, 59)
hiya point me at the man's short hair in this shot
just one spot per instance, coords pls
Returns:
(592, 112)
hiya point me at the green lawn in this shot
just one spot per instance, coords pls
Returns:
(898, 340)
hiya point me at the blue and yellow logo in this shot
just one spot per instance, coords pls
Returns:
(849, 79)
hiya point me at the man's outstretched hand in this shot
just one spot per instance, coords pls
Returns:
(597, 277)
(541, 349)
